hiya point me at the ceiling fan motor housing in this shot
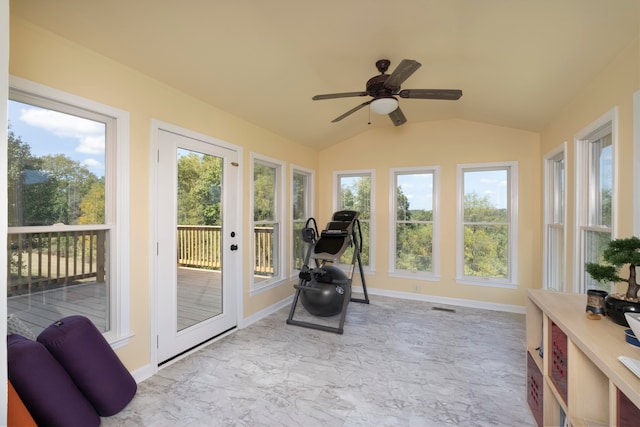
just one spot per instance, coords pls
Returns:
(376, 88)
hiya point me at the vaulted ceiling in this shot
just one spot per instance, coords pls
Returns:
(518, 62)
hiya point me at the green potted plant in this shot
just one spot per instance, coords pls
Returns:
(617, 254)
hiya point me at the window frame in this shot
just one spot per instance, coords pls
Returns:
(584, 175)
(434, 274)
(555, 218)
(309, 208)
(117, 182)
(511, 281)
(279, 166)
(371, 173)
(636, 163)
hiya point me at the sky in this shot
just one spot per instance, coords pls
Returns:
(491, 184)
(418, 188)
(51, 132)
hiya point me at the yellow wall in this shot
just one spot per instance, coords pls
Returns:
(445, 144)
(42, 57)
(613, 87)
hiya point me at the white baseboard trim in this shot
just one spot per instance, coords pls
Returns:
(266, 312)
(444, 300)
(141, 374)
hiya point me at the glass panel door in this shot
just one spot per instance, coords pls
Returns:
(197, 274)
(199, 226)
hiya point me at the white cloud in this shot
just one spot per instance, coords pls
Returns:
(90, 134)
(91, 145)
(93, 164)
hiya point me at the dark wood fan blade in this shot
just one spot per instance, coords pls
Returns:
(446, 94)
(397, 117)
(338, 95)
(353, 110)
(401, 73)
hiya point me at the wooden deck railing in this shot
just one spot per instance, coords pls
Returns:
(41, 259)
(37, 260)
(263, 251)
(199, 246)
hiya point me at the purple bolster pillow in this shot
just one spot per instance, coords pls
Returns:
(45, 387)
(95, 368)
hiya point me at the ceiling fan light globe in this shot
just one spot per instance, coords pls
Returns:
(384, 105)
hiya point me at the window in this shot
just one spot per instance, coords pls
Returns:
(414, 242)
(354, 192)
(302, 202)
(267, 201)
(554, 265)
(594, 196)
(487, 224)
(68, 180)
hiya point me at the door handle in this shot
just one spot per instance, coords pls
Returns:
(234, 247)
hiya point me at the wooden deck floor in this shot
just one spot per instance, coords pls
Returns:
(199, 298)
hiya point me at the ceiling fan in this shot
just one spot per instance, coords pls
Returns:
(385, 87)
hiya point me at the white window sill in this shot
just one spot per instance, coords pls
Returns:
(414, 276)
(118, 341)
(486, 282)
(263, 287)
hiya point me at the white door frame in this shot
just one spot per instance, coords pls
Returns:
(156, 126)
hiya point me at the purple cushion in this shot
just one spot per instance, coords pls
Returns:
(91, 362)
(45, 387)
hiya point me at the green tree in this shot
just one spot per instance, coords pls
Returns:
(357, 197)
(92, 205)
(299, 218)
(414, 246)
(19, 155)
(605, 206)
(44, 190)
(299, 197)
(402, 205)
(73, 181)
(264, 193)
(199, 189)
(414, 236)
(480, 209)
(486, 238)
(30, 188)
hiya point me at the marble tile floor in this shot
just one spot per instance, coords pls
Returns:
(398, 363)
